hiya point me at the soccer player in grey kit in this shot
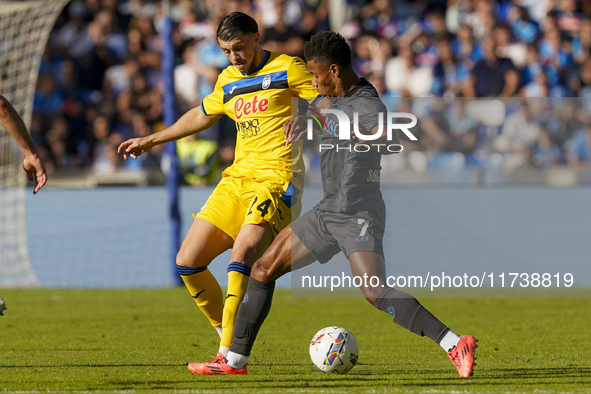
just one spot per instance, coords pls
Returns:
(352, 199)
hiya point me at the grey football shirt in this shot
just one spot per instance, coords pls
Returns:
(351, 180)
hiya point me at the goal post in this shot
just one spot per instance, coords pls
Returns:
(24, 30)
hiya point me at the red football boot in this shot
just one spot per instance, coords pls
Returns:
(216, 367)
(462, 355)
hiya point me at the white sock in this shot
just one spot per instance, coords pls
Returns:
(224, 350)
(219, 330)
(236, 360)
(450, 340)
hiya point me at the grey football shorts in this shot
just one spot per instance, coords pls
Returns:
(326, 233)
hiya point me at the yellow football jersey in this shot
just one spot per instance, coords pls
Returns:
(259, 103)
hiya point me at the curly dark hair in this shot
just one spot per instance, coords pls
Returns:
(328, 46)
(234, 24)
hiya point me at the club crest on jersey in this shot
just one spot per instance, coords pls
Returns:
(266, 81)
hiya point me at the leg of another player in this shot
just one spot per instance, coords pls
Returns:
(370, 264)
(286, 252)
(410, 314)
(250, 244)
(203, 243)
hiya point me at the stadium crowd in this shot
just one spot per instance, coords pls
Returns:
(100, 82)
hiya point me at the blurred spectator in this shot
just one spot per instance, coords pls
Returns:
(581, 82)
(448, 74)
(48, 99)
(538, 87)
(63, 153)
(492, 76)
(370, 54)
(68, 38)
(562, 123)
(405, 78)
(537, 9)
(524, 28)
(545, 153)
(520, 131)
(553, 50)
(118, 78)
(582, 42)
(145, 26)
(505, 47)
(186, 79)
(98, 138)
(579, 150)
(121, 21)
(115, 41)
(96, 58)
(434, 26)
(464, 48)
(280, 37)
(67, 78)
(462, 129)
(139, 98)
(107, 159)
(431, 124)
(533, 67)
(459, 12)
(483, 20)
(568, 19)
(378, 18)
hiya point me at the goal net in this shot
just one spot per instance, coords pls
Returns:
(24, 30)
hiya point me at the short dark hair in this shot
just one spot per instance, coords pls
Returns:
(328, 46)
(234, 24)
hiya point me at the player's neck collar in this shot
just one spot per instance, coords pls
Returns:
(362, 82)
(261, 64)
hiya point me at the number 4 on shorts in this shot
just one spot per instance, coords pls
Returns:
(263, 207)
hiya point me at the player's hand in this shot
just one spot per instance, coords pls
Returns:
(354, 137)
(294, 128)
(135, 147)
(35, 171)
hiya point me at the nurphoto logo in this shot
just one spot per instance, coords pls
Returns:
(342, 129)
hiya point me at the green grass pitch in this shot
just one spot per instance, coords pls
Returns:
(140, 341)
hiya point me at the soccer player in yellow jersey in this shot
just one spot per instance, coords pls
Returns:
(255, 199)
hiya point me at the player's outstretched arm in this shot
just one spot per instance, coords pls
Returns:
(15, 126)
(191, 122)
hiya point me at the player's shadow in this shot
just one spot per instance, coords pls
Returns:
(93, 365)
(568, 370)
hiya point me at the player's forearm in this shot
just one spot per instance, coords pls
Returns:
(15, 126)
(191, 122)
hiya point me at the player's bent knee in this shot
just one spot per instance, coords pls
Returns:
(371, 294)
(264, 270)
(183, 259)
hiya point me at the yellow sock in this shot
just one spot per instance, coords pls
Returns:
(238, 275)
(206, 292)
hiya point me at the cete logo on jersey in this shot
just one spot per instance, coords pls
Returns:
(242, 107)
(266, 81)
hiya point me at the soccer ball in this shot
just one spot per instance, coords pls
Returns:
(2, 306)
(334, 349)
